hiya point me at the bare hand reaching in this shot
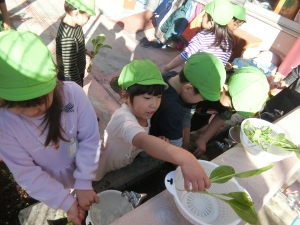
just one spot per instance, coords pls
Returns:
(86, 198)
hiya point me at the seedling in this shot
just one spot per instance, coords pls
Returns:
(97, 45)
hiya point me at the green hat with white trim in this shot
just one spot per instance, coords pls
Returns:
(27, 68)
(220, 10)
(87, 6)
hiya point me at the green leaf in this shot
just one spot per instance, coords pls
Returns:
(242, 208)
(246, 213)
(224, 172)
(239, 196)
(106, 46)
(255, 172)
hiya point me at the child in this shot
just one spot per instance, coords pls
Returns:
(6, 22)
(239, 17)
(246, 93)
(70, 43)
(215, 37)
(48, 137)
(126, 134)
(202, 78)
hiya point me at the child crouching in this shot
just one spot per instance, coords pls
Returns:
(127, 135)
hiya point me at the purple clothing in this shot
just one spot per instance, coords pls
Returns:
(48, 174)
(201, 42)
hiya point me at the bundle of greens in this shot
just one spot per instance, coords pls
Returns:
(240, 202)
(264, 137)
(97, 45)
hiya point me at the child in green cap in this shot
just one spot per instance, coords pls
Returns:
(70, 42)
(214, 36)
(239, 17)
(48, 137)
(202, 78)
(245, 94)
(126, 134)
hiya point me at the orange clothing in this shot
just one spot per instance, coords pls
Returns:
(190, 30)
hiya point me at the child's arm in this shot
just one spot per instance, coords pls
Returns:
(86, 198)
(212, 128)
(177, 61)
(191, 169)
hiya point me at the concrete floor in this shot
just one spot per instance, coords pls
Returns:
(43, 17)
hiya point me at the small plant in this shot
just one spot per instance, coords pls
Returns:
(97, 45)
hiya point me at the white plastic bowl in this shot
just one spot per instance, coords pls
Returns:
(274, 154)
(111, 207)
(202, 209)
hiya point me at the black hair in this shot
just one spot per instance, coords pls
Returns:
(237, 20)
(137, 89)
(52, 115)
(69, 8)
(224, 37)
(183, 80)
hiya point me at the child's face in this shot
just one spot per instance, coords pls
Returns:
(33, 111)
(206, 24)
(188, 94)
(144, 106)
(82, 18)
(234, 24)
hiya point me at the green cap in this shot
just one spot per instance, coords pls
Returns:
(87, 6)
(220, 10)
(143, 72)
(206, 73)
(27, 68)
(239, 12)
(249, 89)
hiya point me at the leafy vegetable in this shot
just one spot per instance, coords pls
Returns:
(263, 137)
(97, 45)
(223, 174)
(240, 202)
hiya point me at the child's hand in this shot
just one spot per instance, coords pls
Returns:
(89, 53)
(86, 198)
(164, 139)
(193, 173)
(74, 214)
(201, 148)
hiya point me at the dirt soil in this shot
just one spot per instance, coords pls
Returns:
(13, 198)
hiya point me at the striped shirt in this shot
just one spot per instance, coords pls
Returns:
(70, 53)
(202, 42)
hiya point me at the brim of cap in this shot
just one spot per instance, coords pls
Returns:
(154, 82)
(27, 93)
(246, 114)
